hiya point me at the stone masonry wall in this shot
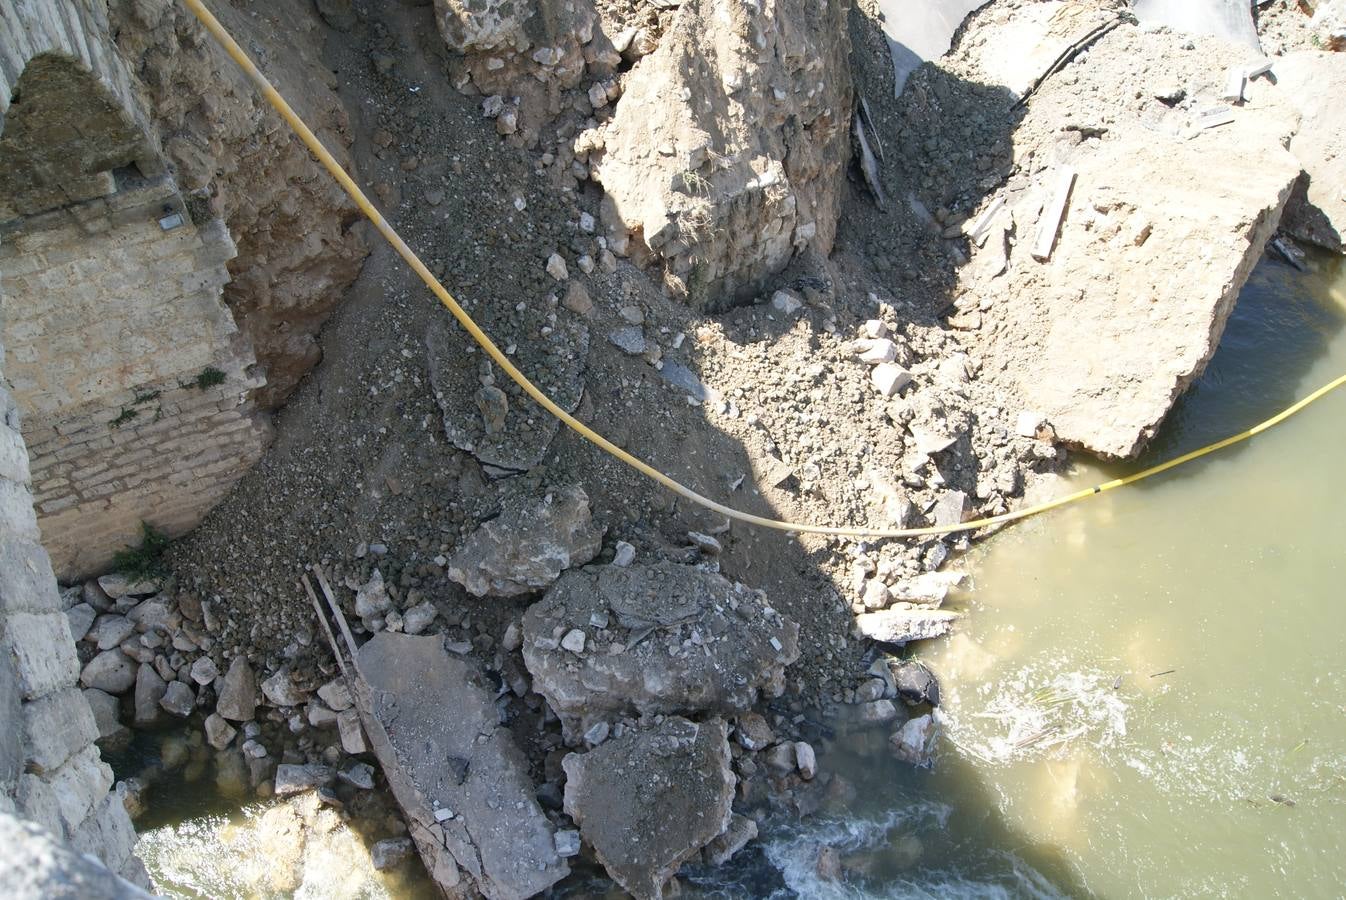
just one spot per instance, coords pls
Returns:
(50, 769)
(131, 373)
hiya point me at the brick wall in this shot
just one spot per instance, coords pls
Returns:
(118, 335)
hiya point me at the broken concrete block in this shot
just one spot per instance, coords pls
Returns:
(678, 639)
(876, 350)
(454, 769)
(898, 626)
(671, 784)
(526, 547)
(889, 378)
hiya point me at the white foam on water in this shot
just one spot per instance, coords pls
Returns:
(793, 851)
(1035, 709)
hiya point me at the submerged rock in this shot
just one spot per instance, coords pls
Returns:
(527, 546)
(675, 639)
(650, 799)
(915, 741)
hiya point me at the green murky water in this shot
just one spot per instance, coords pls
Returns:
(1148, 697)
(1151, 688)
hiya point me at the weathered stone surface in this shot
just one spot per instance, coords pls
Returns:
(899, 625)
(352, 735)
(112, 671)
(238, 695)
(335, 694)
(151, 614)
(390, 853)
(42, 653)
(150, 689)
(39, 867)
(204, 671)
(516, 438)
(454, 769)
(914, 683)
(677, 639)
(81, 618)
(524, 51)
(55, 728)
(914, 741)
(372, 600)
(726, 156)
(117, 585)
(219, 732)
(280, 690)
(527, 546)
(1104, 336)
(419, 617)
(740, 832)
(670, 784)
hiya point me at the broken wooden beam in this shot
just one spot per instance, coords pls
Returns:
(1052, 214)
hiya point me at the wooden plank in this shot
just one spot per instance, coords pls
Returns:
(327, 629)
(1052, 214)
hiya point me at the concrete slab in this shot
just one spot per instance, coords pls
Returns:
(454, 768)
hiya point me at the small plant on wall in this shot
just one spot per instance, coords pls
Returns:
(209, 378)
(146, 560)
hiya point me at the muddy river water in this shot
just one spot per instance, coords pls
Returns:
(1147, 698)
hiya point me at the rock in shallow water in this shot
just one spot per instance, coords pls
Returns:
(678, 639)
(669, 784)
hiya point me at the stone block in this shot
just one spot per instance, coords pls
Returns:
(56, 727)
(79, 785)
(107, 833)
(26, 580)
(42, 652)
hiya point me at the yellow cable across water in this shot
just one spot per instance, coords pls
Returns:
(231, 46)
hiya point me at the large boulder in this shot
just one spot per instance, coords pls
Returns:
(728, 149)
(659, 638)
(649, 800)
(527, 546)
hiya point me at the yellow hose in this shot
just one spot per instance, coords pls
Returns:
(231, 46)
